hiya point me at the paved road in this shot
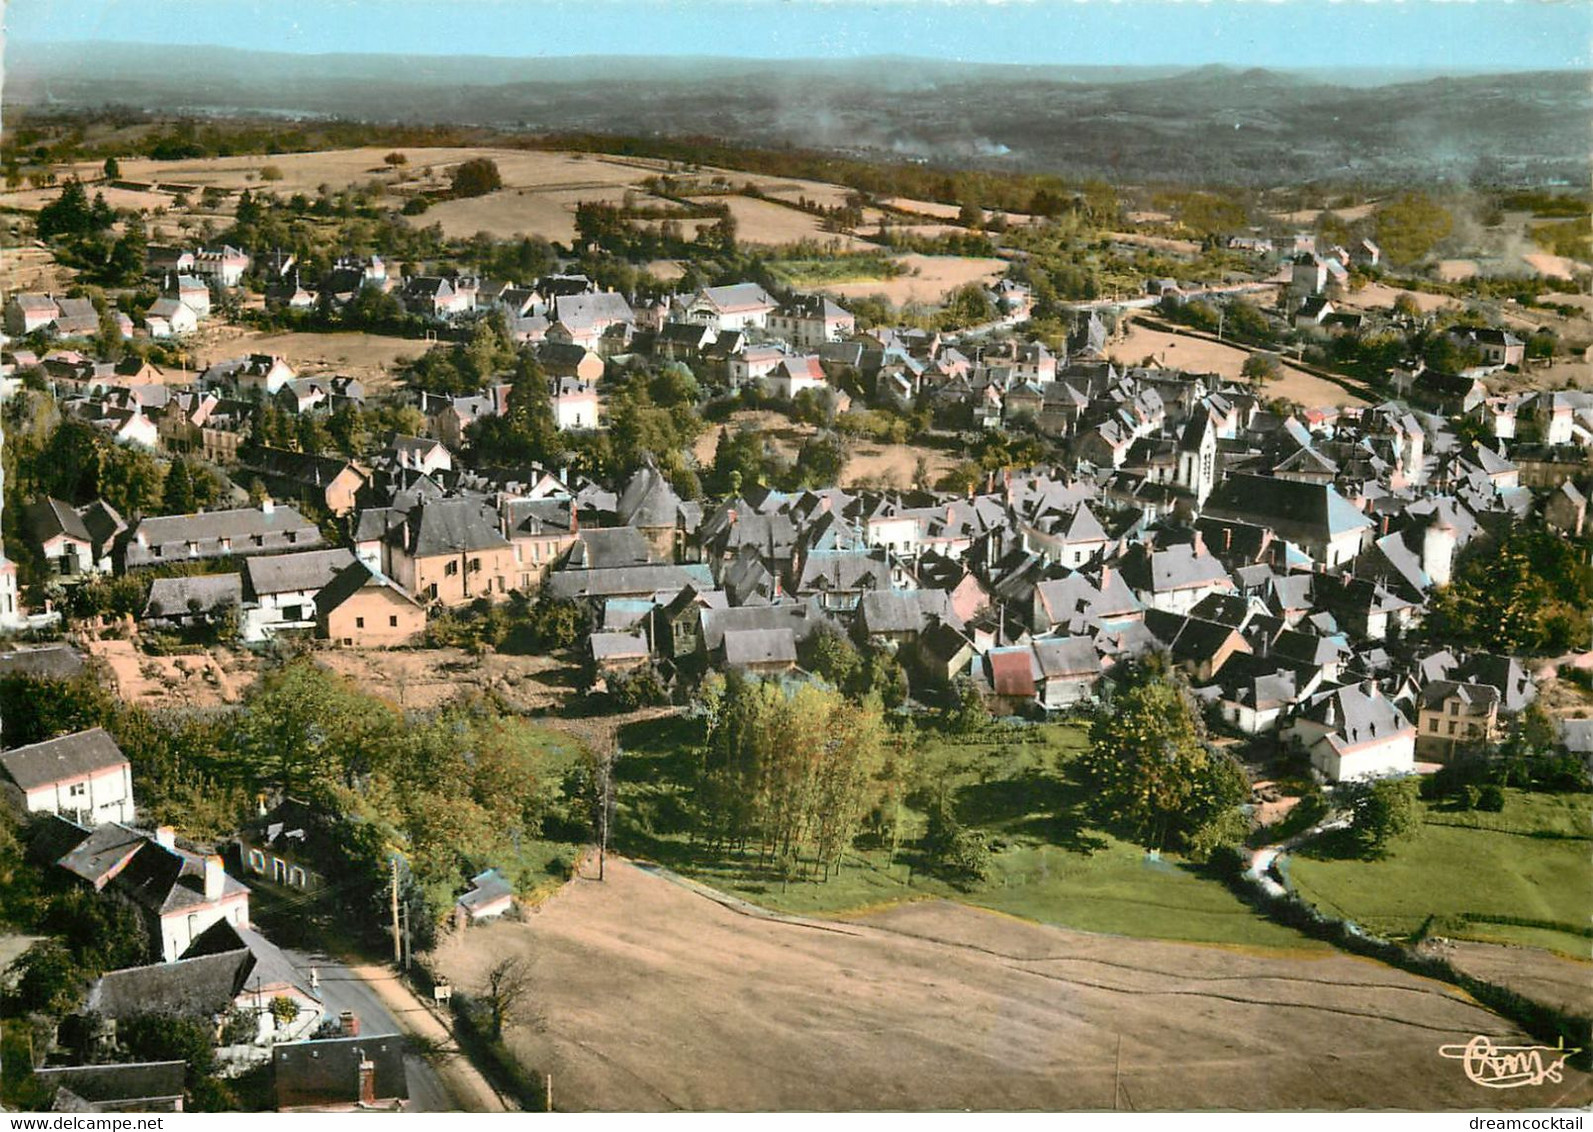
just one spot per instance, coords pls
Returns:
(342, 989)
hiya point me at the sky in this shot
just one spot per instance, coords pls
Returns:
(1463, 35)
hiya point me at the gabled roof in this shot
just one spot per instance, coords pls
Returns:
(62, 760)
(292, 573)
(759, 646)
(202, 987)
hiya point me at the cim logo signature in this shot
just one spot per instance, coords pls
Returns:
(1509, 1067)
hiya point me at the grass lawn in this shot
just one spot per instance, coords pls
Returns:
(1532, 861)
(1049, 862)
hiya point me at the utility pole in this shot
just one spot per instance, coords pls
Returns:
(409, 942)
(398, 954)
(603, 802)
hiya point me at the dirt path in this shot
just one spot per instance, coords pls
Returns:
(464, 1082)
(651, 997)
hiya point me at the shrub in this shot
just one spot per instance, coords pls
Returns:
(271, 173)
(476, 177)
(1491, 798)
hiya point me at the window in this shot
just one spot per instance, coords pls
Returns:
(256, 860)
(475, 565)
(279, 869)
(348, 640)
(296, 877)
(1451, 727)
(1454, 707)
(1432, 725)
(77, 790)
(392, 622)
(450, 568)
(359, 622)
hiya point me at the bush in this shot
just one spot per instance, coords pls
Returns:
(1468, 797)
(271, 173)
(476, 177)
(1490, 797)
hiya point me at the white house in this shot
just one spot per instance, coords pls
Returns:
(793, 375)
(225, 265)
(170, 318)
(83, 777)
(1354, 732)
(574, 403)
(737, 307)
(808, 321)
(279, 590)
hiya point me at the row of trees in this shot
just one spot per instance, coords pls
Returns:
(793, 773)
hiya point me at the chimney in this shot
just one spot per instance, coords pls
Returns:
(1106, 577)
(1227, 539)
(215, 877)
(367, 1082)
(1369, 687)
(1199, 544)
(166, 837)
(349, 1024)
(268, 506)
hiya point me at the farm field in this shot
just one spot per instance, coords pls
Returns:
(927, 280)
(649, 995)
(1198, 355)
(1530, 861)
(772, 225)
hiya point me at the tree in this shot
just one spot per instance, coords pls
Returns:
(1261, 369)
(1153, 771)
(1409, 226)
(476, 177)
(126, 264)
(395, 159)
(507, 988)
(955, 850)
(48, 979)
(1385, 811)
(113, 168)
(177, 497)
(68, 215)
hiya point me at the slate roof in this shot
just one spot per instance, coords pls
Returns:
(250, 530)
(47, 662)
(485, 888)
(349, 581)
(51, 517)
(627, 581)
(201, 987)
(200, 593)
(326, 1073)
(292, 573)
(618, 646)
(273, 970)
(738, 297)
(648, 499)
(1067, 657)
(604, 548)
(759, 646)
(63, 759)
(1297, 511)
(108, 1084)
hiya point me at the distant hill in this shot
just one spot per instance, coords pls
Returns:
(1210, 124)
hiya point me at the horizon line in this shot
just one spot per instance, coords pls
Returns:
(1182, 67)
